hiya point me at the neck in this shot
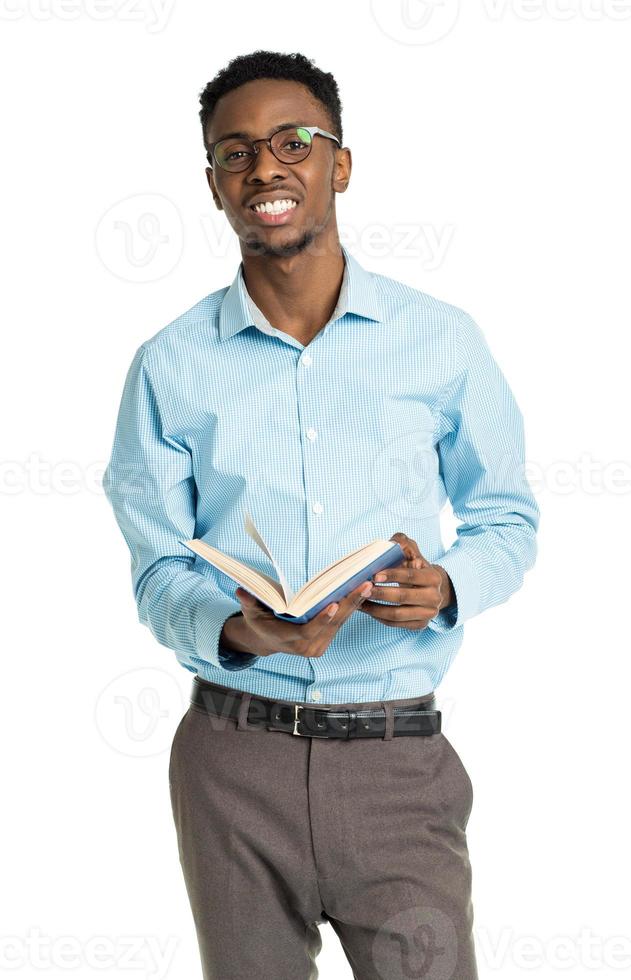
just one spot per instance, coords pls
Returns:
(297, 293)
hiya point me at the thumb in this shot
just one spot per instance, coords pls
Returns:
(410, 548)
(250, 602)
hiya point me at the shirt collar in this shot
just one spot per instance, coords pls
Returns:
(358, 294)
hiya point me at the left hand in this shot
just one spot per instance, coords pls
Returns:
(424, 589)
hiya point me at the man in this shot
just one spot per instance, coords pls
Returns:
(337, 406)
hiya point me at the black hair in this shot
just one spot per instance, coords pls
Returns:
(273, 64)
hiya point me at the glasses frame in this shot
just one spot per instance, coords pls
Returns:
(314, 130)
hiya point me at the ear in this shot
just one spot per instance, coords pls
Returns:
(213, 190)
(342, 169)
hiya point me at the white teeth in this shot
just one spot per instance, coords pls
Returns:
(275, 207)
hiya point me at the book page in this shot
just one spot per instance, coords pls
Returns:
(341, 570)
(320, 578)
(337, 574)
(258, 583)
(256, 537)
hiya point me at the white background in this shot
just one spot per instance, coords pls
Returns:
(490, 168)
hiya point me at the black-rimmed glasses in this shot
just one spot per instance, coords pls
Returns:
(291, 145)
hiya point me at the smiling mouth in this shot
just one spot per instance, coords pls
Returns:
(273, 214)
(274, 207)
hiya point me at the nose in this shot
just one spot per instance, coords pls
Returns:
(265, 164)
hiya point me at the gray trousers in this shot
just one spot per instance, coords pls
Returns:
(277, 833)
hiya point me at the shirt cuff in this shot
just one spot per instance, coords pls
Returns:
(233, 660)
(210, 619)
(466, 583)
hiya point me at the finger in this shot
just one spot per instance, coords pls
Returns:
(412, 547)
(403, 572)
(397, 595)
(351, 602)
(399, 614)
(413, 624)
(329, 620)
(412, 572)
(410, 624)
(354, 600)
(409, 545)
(402, 540)
(410, 595)
(324, 617)
(414, 555)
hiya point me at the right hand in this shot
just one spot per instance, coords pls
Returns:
(271, 635)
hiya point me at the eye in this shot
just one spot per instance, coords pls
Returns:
(293, 146)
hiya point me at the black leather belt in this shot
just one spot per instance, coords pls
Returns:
(301, 719)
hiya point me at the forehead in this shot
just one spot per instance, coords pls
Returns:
(256, 107)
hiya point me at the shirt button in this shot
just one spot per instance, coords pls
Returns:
(306, 360)
(316, 695)
(311, 434)
(317, 507)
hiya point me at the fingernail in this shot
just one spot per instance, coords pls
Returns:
(332, 611)
(367, 589)
(381, 577)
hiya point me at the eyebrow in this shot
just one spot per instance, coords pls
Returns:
(246, 136)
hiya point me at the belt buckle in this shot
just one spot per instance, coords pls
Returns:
(297, 708)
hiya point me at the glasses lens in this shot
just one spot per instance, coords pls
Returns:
(234, 155)
(290, 145)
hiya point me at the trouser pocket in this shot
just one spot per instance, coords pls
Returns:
(175, 742)
(458, 774)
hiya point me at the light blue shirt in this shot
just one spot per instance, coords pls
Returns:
(394, 406)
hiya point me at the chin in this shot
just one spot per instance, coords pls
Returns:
(296, 244)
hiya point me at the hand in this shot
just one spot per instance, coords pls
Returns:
(424, 589)
(267, 634)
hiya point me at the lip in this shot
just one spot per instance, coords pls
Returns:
(273, 219)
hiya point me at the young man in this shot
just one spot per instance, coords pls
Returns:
(337, 406)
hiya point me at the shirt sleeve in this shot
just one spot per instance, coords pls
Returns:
(150, 485)
(481, 460)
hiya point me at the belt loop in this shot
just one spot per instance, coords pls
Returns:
(242, 718)
(388, 708)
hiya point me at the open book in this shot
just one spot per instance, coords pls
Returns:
(331, 584)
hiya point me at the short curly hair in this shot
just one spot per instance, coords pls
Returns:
(273, 64)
